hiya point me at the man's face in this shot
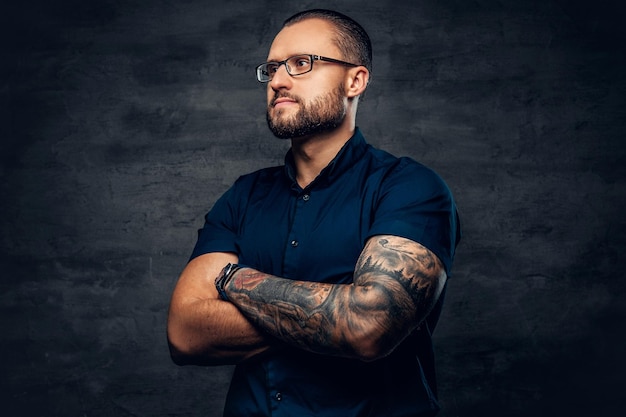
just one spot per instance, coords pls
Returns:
(310, 103)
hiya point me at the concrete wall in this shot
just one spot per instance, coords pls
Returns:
(122, 122)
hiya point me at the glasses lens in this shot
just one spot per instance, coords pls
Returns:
(299, 64)
(265, 71)
(295, 65)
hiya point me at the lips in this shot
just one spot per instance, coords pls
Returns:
(283, 100)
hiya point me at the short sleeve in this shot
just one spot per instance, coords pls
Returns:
(415, 203)
(219, 233)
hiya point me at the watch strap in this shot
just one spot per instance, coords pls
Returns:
(222, 279)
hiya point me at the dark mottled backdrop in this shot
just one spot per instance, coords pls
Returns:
(121, 122)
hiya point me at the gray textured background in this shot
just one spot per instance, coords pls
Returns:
(121, 122)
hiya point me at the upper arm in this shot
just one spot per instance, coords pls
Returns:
(403, 272)
(201, 328)
(195, 285)
(415, 203)
(197, 281)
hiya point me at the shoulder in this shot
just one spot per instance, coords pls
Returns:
(247, 185)
(264, 175)
(405, 173)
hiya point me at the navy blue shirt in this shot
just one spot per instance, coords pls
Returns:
(317, 234)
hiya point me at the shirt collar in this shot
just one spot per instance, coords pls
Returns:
(347, 156)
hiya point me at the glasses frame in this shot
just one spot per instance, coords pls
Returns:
(311, 56)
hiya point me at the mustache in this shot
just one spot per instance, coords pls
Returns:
(278, 95)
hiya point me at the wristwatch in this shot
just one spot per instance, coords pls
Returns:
(223, 278)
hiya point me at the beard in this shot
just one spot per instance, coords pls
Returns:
(320, 115)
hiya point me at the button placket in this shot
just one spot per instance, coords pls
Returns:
(297, 229)
(294, 243)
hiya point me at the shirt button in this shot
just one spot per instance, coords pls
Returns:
(278, 396)
(294, 243)
(306, 197)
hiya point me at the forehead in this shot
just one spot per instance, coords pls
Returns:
(311, 36)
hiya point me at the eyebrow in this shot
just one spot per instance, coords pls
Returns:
(290, 55)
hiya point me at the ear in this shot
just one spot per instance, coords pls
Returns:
(356, 81)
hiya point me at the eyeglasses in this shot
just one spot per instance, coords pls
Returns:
(295, 65)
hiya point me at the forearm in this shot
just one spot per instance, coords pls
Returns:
(311, 316)
(389, 298)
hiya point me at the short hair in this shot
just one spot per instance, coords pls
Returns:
(351, 39)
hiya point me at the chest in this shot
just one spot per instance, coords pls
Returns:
(314, 235)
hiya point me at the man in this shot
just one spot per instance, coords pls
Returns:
(321, 279)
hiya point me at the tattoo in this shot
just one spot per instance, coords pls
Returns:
(411, 264)
(396, 283)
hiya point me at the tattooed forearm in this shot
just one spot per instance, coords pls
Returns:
(396, 283)
(296, 312)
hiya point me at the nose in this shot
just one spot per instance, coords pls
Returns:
(281, 78)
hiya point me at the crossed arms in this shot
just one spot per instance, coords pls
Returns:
(395, 285)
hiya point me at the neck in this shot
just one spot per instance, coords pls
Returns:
(313, 153)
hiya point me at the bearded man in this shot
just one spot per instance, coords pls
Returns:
(321, 279)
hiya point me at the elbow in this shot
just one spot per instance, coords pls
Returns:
(369, 352)
(184, 354)
(373, 346)
(180, 354)
(182, 350)
(178, 358)
(379, 338)
(370, 355)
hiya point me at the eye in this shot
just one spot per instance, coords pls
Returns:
(271, 68)
(303, 62)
